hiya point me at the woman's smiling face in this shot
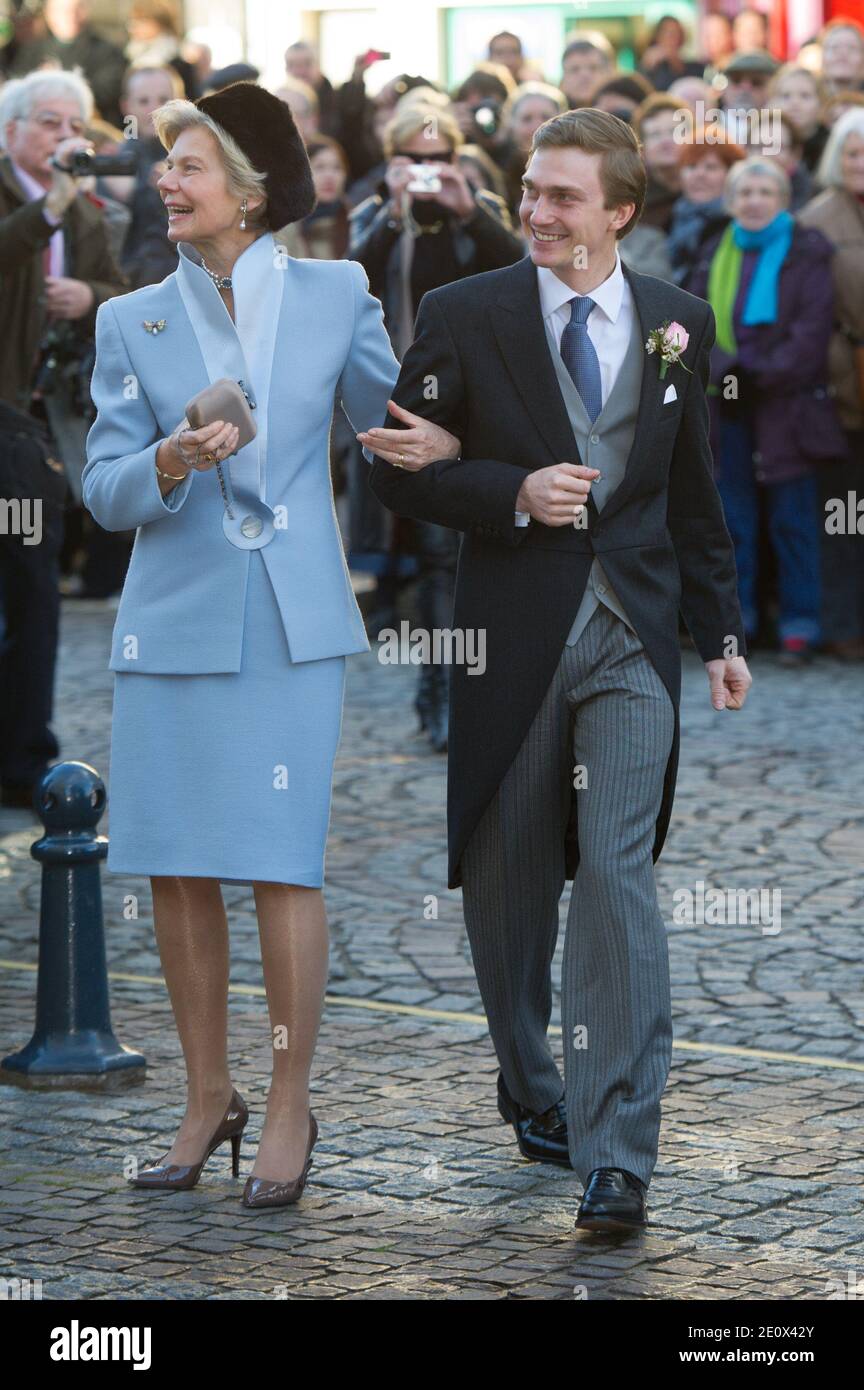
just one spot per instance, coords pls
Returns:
(756, 201)
(194, 188)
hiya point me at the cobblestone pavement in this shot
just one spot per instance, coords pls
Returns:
(417, 1191)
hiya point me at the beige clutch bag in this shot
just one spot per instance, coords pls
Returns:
(223, 400)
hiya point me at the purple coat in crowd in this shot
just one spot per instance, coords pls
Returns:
(781, 367)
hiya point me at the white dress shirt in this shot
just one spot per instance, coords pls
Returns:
(610, 324)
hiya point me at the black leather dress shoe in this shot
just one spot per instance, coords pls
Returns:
(614, 1200)
(540, 1136)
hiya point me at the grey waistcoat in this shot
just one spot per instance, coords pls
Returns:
(605, 445)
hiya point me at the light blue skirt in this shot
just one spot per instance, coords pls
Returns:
(228, 776)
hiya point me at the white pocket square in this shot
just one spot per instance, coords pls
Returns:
(671, 395)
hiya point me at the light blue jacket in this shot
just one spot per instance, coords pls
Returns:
(306, 331)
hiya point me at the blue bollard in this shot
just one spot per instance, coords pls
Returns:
(73, 1045)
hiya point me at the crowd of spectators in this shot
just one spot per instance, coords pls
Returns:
(755, 201)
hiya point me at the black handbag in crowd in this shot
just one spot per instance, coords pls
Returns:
(29, 468)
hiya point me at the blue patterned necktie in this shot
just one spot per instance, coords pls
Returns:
(580, 356)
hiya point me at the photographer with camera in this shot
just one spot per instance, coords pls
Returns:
(477, 107)
(55, 269)
(424, 228)
(427, 208)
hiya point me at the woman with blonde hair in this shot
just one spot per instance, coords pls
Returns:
(800, 95)
(237, 612)
(528, 107)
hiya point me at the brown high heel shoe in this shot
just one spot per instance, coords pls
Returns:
(178, 1177)
(262, 1192)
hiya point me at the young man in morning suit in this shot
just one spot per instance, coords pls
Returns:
(590, 516)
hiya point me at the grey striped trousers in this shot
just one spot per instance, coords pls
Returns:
(607, 711)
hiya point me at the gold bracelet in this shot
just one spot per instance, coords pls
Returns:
(175, 477)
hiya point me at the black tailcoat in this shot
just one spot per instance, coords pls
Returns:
(480, 366)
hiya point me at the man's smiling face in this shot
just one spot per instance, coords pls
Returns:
(562, 208)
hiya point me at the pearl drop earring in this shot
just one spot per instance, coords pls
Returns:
(243, 217)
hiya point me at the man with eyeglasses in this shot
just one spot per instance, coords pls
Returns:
(56, 269)
(747, 76)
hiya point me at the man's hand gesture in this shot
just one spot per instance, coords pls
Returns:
(729, 680)
(557, 495)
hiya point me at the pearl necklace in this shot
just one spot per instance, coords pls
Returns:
(222, 282)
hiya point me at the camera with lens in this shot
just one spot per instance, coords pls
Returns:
(84, 162)
(65, 365)
(487, 116)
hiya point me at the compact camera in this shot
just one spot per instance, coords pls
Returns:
(424, 179)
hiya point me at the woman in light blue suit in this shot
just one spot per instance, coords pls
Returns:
(230, 641)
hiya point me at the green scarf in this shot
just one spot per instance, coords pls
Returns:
(724, 278)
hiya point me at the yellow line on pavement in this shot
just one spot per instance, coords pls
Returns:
(383, 1006)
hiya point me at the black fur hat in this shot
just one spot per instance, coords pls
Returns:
(264, 129)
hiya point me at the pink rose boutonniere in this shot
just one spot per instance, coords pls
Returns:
(670, 340)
